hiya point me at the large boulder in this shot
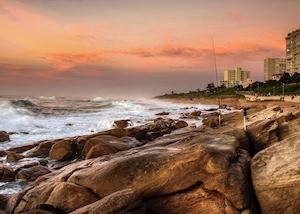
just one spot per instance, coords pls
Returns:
(213, 165)
(4, 136)
(62, 150)
(103, 145)
(276, 177)
(263, 133)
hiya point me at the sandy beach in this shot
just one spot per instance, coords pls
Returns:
(236, 103)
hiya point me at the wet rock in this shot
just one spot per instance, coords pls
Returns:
(6, 173)
(32, 173)
(196, 113)
(155, 134)
(62, 150)
(23, 148)
(121, 123)
(276, 176)
(26, 164)
(43, 162)
(3, 202)
(4, 136)
(2, 153)
(181, 124)
(162, 113)
(14, 157)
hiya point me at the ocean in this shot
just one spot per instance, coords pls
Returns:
(32, 119)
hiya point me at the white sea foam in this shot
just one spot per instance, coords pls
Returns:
(18, 117)
(47, 98)
(99, 99)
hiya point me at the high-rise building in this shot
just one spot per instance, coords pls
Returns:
(293, 52)
(237, 74)
(274, 67)
(235, 77)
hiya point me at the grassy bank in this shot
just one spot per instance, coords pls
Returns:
(217, 93)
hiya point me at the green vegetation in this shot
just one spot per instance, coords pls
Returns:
(289, 85)
(221, 92)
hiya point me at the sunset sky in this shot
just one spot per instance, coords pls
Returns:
(135, 48)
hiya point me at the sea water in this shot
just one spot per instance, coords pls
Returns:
(33, 119)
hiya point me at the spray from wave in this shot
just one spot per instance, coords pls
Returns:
(47, 98)
(99, 99)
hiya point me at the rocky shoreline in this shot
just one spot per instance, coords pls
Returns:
(164, 166)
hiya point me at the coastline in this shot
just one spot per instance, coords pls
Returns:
(234, 102)
(130, 168)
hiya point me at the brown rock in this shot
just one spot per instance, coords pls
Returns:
(212, 121)
(26, 164)
(43, 162)
(163, 168)
(62, 150)
(2, 153)
(276, 177)
(296, 114)
(65, 197)
(131, 141)
(3, 202)
(196, 201)
(38, 211)
(262, 133)
(118, 202)
(284, 117)
(162, 113)
(181, 124)
(14, 157)
(4, 136)
(103, 145)
(42, 149)
(32, 173)
(23, 148)
(239, 134)
(6, 173)
(118, 132)
(196, 113)
(121, 123)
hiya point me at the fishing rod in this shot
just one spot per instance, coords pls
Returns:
(216, 72)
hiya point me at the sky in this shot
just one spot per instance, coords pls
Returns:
(135, 48)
